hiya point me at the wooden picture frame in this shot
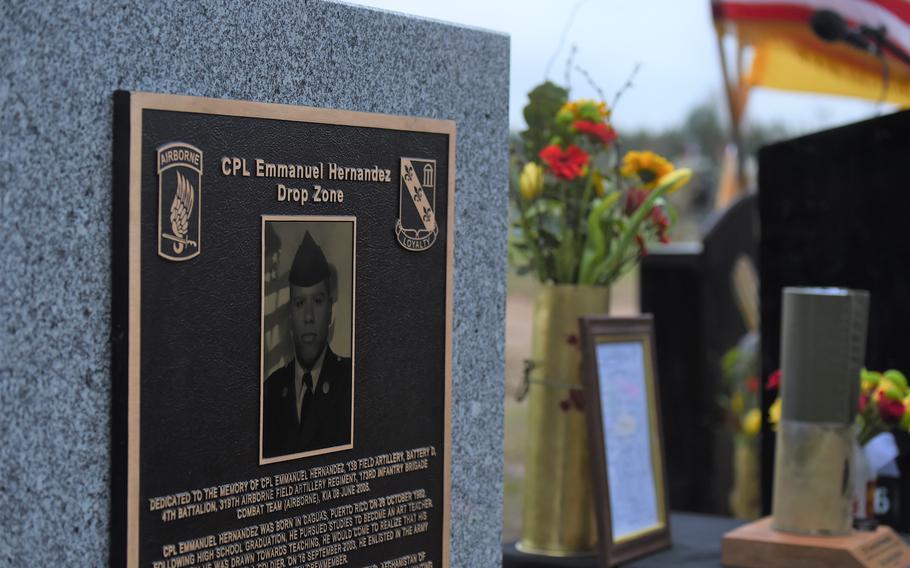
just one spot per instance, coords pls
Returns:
(620, 372)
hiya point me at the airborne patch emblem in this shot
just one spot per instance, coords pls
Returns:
(179, 201)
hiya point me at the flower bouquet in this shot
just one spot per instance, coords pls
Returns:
(583, 215)
(884, 404)
(584, 210)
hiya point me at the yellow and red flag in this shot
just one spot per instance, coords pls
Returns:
(788, 55)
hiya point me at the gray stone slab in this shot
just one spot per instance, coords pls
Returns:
(60, 61)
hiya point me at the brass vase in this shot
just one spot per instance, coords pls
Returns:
(745, 496)
(558, 518)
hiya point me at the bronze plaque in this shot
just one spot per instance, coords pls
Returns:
(282, 347)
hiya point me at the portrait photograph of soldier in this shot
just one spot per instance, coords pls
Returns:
(307, 379)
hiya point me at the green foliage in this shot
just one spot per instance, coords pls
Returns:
(599, 230)
(544, 101)
(703, 126)
(897, 378)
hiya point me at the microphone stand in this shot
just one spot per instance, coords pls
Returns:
(877, 37)
(878, 43)
(830, 26)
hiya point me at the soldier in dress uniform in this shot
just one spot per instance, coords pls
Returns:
(307, 403)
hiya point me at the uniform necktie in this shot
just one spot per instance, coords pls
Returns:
(308, 395)
(308, 379)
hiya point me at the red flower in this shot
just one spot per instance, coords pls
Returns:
(660, 218)
(773, 381)
(863, 402)
(576, 400)
(890, 411)
(634, 199)
(662, 222)
(641, 245)
(752, 384)
(596, 130)
(566, 164)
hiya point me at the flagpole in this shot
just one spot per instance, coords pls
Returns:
(735, 113)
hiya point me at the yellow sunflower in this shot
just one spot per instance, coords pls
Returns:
(647, 166)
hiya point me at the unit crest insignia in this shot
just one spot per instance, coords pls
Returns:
(416, 227)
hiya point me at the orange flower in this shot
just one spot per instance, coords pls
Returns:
(565, 164)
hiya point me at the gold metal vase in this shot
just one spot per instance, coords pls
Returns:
(745, 495)
(558, 517)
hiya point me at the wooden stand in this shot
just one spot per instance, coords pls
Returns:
(757, 545)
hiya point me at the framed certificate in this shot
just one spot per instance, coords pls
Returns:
(619, 369)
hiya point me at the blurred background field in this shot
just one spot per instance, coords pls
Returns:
(665, 58)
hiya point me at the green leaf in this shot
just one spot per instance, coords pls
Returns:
(728, 362)
(614, 265)
(672, 214)
(896, 377)
(519, 252)
(544, 206)
(595, 249)
(565, 259)
(551, 238)
(544, 101)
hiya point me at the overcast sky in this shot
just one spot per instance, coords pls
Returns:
(672, 40)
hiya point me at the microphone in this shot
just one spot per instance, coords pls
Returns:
(831, 27)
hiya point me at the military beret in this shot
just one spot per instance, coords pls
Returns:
(310, 266)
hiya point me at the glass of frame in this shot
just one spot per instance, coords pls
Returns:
(627, 457)
(299, 418)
